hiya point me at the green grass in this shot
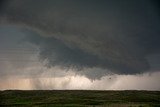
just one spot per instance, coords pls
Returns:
(79, 98)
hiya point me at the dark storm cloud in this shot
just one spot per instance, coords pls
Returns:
(108, 34)
(57, 53)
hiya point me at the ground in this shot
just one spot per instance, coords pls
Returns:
(79, 98)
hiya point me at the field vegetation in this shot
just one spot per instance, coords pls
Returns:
(79, 98)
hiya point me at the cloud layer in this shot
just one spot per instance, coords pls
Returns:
(115, 36)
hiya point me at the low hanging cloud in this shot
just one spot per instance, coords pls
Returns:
(115, 36)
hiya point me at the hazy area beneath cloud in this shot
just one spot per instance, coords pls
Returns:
(53, 43)
(111, 82)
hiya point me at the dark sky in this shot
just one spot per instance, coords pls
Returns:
(114, 36)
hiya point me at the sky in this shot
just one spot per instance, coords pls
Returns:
(80, 44)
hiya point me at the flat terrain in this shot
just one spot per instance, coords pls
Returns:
(79, 98)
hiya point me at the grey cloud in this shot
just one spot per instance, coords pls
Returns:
(116, 36)
(58, 54)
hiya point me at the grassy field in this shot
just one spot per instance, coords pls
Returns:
(79, 98)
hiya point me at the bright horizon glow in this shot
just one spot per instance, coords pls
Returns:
(113, 82)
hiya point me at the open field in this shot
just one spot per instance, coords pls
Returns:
(79, 98)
